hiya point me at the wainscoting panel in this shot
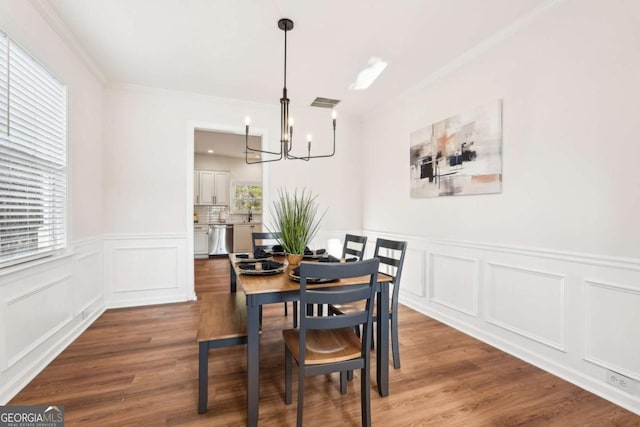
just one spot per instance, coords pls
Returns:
(613, 327)
(413, 273)
(89, 279)
(572, 314)
(453, 282)
(145, 269)
(43, 310)
(44, 306)
(161, 270)
(528, 302)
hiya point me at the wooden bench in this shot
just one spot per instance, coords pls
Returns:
(223, 323)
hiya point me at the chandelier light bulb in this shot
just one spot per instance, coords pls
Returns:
(247, 121)
(334, 114)
(290, 121)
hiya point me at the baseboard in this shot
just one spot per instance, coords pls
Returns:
(571, 375)
(138, 302)
(10, 390)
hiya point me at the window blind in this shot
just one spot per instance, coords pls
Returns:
(32, 157)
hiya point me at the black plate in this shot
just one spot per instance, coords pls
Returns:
(262, 272)
(310, 280)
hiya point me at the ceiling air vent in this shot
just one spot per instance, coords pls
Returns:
(325, 102)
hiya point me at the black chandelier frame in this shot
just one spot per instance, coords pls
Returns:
(286, 124)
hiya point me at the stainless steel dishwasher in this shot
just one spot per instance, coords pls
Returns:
(220, 239)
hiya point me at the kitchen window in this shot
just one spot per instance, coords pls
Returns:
(32, 157)
(246, 195)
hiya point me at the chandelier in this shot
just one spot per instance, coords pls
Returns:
(286, 122)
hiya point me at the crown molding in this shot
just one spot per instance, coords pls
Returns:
(52, 18)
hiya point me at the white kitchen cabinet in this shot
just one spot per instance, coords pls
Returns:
(212, 187)
(221, 188)
(242, 236)
(201, 239)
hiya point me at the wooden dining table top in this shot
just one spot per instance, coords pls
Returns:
(281, 282)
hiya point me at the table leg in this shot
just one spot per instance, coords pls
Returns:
(382, 344)
(232, 277)
(253, 362)
(203, 377)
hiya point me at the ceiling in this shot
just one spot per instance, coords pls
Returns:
(224, 144)
(234, 49)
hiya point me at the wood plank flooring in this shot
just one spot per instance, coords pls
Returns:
(138, 367)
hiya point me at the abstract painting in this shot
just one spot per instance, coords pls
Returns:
(460, 155)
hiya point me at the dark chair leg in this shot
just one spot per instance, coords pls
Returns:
(395, 345)
(365, 397)
(343, 381)
(300, 395)
(295, 314)
(373, 344)
(286, 309)
(260, 316)
(287, 375)
(350, 375)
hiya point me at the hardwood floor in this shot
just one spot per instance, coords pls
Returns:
(138, 366)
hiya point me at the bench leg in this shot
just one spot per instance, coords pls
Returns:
(203, 377)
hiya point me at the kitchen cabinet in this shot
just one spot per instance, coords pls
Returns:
(211, 187)
(242, 236)
(221, 188)
(201, 239)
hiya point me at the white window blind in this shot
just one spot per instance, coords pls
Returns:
(32, 157)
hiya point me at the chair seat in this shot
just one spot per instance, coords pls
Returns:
(325, 346)
(353, 307)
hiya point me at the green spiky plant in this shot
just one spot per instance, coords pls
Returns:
(295, 215)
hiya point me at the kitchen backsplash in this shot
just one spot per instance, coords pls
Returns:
(210, 214)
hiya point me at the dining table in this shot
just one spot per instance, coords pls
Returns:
(262, 289)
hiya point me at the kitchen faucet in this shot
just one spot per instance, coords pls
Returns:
(249, 215)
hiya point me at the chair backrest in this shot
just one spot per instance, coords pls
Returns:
(339, 295)
(264, 240)
(356, 248)
(391, 255)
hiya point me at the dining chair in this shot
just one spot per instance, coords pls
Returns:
(326, 344)
(266, 240)
(353, 245)
(391, 255)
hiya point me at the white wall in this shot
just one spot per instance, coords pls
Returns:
(549, 269)
(44, 305)
(148, 195)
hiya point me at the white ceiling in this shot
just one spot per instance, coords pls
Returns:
(224, 144)
(234, 49)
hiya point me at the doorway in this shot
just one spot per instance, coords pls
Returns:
(218, 202)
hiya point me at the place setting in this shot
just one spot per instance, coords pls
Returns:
(257, 255)
(262, 268)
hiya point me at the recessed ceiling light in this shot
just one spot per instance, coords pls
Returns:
(210, 151)
(367, 76)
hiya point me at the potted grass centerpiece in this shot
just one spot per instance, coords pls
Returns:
(295, 216)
